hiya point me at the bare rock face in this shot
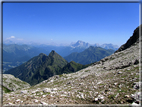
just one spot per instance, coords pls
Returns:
(12, 83)
(137, 85)
(133, 39)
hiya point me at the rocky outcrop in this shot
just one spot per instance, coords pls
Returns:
(133, 39)
(11, 83)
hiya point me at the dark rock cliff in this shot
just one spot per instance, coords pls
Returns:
(133, 39)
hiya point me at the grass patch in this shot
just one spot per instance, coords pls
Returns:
(101, 84)
(87, 70)
(6, 90)
(111, 97)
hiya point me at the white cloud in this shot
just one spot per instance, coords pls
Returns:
(11, 37)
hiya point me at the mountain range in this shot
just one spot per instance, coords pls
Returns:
(79, 43)
(89, 55)
(42, 67)
(15, 55)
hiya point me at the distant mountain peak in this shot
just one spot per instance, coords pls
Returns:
(72, 62)
(52, 53)
(85, 45)
(91, 47)
(39, 68)
(42, 54)
(80, 43)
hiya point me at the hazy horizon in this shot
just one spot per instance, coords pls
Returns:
(52, 44)
(64, 23)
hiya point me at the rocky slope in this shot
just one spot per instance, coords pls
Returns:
(133, 39)
(113, 80)
(10, 83)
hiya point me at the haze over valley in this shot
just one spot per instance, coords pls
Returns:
(16, 54)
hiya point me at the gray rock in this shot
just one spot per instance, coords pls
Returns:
(133, 39)
(18, 100)
(24, 92)
(43, 103)
(44, 96)
(45, 90)
(100, 97)
(137, 85)
(119, 72)
(54, 89)
(137, 96)
(12, 83)
(96, 99)
(135, 104)
(136, 61)
(36, 100)
(115, 83)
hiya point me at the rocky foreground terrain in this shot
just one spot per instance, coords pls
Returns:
(112, 80)
(10, 83)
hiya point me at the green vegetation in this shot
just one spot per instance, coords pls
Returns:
(39, 68)
(42, 67)
(111, 97)
(90, 55)
(87, 70)
(72, 67)
(6, 90)
(15, 55)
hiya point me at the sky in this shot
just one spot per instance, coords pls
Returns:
(64, 23)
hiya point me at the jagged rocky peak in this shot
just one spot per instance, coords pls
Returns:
(72, 62)
(52, 53)
(80, 43)
(133, 39)
(42, 54)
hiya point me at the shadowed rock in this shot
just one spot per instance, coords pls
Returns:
(133, 39)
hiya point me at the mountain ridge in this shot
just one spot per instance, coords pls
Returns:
(42, 67)
(15, 55)
(37, 65)
(89, 55)
(133, 39)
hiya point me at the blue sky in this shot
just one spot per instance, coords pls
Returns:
(63, 23)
